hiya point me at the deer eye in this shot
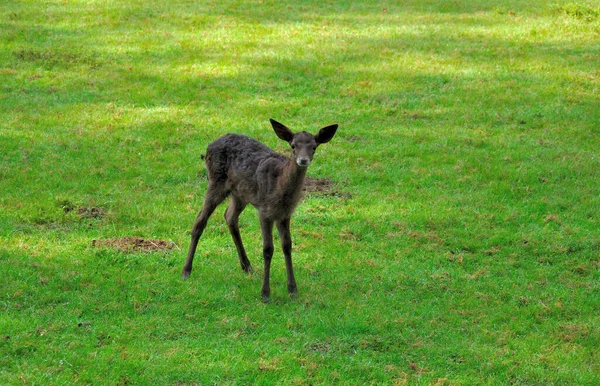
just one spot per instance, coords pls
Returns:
(293, 147)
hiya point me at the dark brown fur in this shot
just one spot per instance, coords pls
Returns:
(250, 173)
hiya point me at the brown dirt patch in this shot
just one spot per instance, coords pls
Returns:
(91, 212)
(134, 244)
(317, 185)
(356, 138)
(323, 187)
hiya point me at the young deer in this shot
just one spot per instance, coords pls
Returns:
(250, 173)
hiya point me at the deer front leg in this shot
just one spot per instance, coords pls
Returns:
(266, 227)
(283, 227)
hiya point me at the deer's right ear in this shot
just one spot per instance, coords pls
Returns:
(282, 131)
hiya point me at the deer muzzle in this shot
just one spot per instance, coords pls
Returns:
(303, 161)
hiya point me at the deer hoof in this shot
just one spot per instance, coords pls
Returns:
(185, 274)
(265, 296)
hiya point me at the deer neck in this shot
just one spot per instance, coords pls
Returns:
(292, 180)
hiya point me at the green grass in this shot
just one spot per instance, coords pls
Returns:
(464, 247)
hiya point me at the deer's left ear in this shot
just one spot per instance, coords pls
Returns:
(326, 133)
(282, 131)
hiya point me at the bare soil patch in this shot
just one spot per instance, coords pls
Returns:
(134, 244)
(317, 185)
(356, 138)
(323, 187)
(91, 212)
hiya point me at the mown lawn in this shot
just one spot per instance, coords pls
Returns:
(456, 241)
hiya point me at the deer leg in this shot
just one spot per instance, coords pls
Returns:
(214, 196)
(266, 227)
(231, 217)
(283, 227)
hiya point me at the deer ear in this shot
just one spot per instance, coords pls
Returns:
(326, 133)
(282, 131)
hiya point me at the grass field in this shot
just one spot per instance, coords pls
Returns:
(458, 244)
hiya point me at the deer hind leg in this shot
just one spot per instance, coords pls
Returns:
(283, 227)
(232, 215)
(215, 194)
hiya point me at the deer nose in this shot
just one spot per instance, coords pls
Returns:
(303, 161)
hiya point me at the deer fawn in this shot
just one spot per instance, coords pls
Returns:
(251, 173)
